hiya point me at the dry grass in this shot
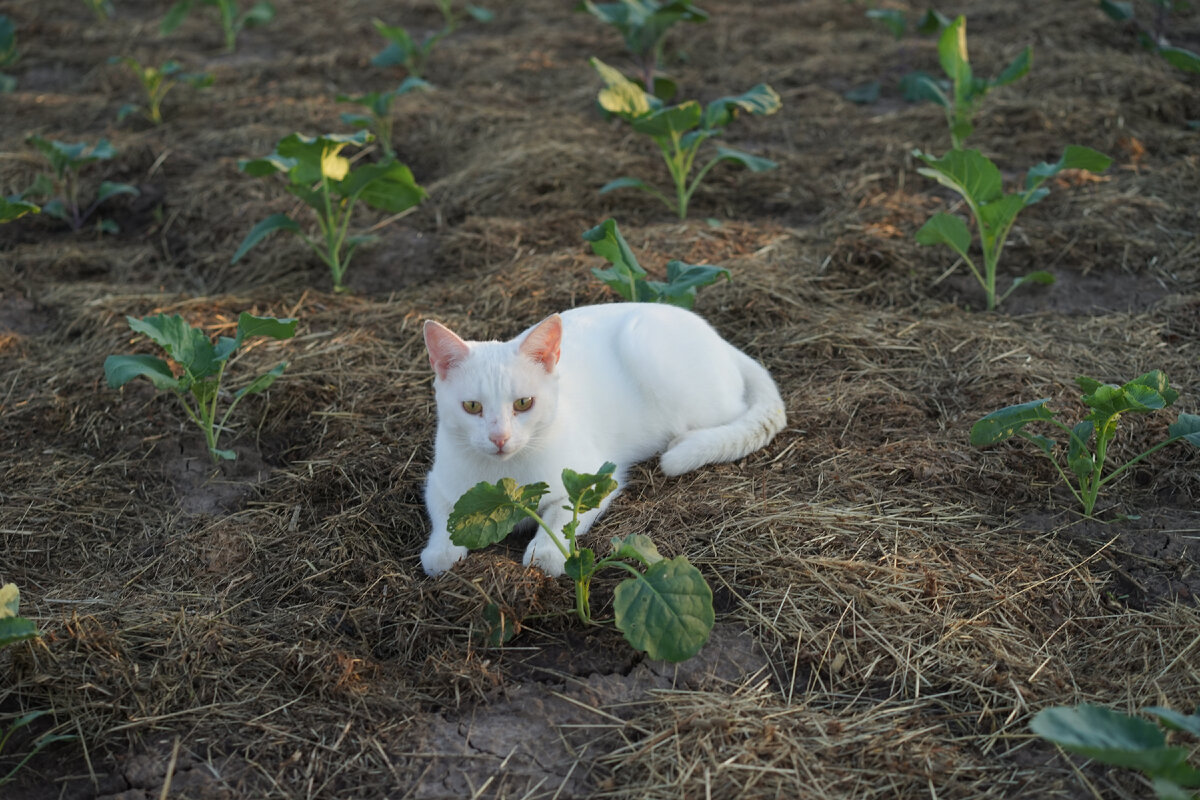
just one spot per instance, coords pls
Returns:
(892, 606)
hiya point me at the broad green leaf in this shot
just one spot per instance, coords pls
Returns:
(1080, 459)
(752, 163)
(120, 370)
(585, 491)
(932, 22)
(319, 157)
(250, 325)
(269, 225)
(1005, 422)
(1015, 70)
(952, 52)
(864, 94)
(355, 120)
(946, 229)
(488, 512)
(1037, 276)
(389, 186)
(262, 382)
(1109, 737)
(109, 189)
(920, 86)
(16, 629)
(627, 183)
(501, 626)
(225, 347)
(891, 18)
(1186, 427)
(1181, 58)
(760, 100)
(637, 546)
(267, 165)
(1043, 443)
(175, 16)
(580, 566)
(10, 600)
(258, 14)
(682, 281)
(1117, 10)
(664, 88)
(411, 84)
(620, 96)
(666, 612)
(480, 14)
(1176, 720)
(606, 241)
(14, 208)
(1073, 157)
(400, 49)
(189, 346)
(670, 120)
(967, 172)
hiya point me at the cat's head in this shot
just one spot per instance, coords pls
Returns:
(496, 397)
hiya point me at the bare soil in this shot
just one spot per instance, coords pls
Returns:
(893, 606)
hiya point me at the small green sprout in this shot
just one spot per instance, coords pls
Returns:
(680, 130)
(201, 367)
(664, 609)
(1153, 36)
(1085, 460)
(9, 54)
(63, 189)
(403, 50)
(320, 176)
(232, 22)
(643, 24)
(1111, 737)
(156, 82)
(977, 180)
(627, 278)
(378, 118)
(963, 95)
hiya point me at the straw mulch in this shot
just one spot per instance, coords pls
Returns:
(893, 606)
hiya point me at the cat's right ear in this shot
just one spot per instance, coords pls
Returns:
(446, 350)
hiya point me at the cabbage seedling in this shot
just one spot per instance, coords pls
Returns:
(1153, 36)
(201, 367)
(643, 24)
(320, 176)
(963, 95)
(1089, 440)
(405, 51)
(66, 160)
(665, 611)
(156, 82)
(8, 52)
(978, 181)
(680, 130)
(378, 118)
(627, 278)
(232, 22)
(1111, 737)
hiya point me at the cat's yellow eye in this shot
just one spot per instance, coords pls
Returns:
(523, 404)
(472, 406)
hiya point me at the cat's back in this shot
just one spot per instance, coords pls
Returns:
(589, 323)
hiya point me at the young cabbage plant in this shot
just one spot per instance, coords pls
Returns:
(8, 53)
(1088, 441)
(1121, 740)
(378, 119)
(680, 130)
(201, 367)
(63, 188)
(403, 49)
(963, 94)
(897, 23)
(627, 278)
(233, 21)
(1153, 35)
(664, 608)
(321, 177)
(643, 24)
(977, 180)
(156, 82)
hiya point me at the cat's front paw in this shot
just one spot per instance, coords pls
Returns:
(436, 560)
(543, 554)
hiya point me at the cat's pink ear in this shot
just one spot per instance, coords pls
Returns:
(446, 350)
(544, 343)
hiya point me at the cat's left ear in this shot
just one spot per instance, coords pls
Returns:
(543, 344)
(446, 350)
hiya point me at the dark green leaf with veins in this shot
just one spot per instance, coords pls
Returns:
(488, 512)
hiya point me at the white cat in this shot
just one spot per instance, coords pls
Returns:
(619, 382)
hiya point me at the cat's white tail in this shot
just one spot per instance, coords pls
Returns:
(764, 417)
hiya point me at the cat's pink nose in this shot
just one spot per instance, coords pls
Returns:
(499, 439)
